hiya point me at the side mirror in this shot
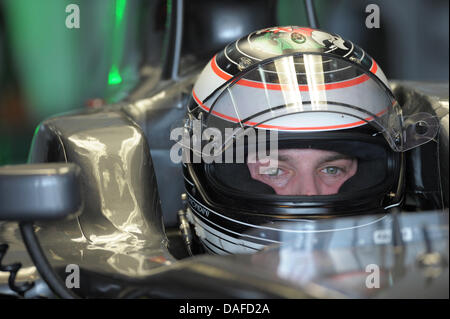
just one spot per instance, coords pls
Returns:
(38, 192)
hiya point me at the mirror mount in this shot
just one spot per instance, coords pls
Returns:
(39, 192)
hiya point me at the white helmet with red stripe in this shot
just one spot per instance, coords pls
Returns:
(333, 111)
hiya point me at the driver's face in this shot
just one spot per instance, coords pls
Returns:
(305, 172)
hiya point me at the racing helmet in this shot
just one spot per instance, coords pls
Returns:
(289, 125)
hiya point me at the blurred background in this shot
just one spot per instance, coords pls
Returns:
(47, 68)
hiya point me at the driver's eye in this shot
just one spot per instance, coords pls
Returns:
(331, 170)
(273, 172)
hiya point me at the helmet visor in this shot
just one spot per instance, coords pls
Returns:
(308, 93)
(308, 168)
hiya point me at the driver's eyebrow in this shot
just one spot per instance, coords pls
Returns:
(284, 158)
(335, 157)
(329, 158)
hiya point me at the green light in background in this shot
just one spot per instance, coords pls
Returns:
(114, 76)
(120, 10)
(33, 140)
(36, 130)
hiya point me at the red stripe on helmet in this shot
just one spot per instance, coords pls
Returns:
(287, 128)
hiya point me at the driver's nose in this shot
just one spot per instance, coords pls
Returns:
(305, 184)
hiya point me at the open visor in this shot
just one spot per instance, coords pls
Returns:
(309, 168)
(303, 93)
